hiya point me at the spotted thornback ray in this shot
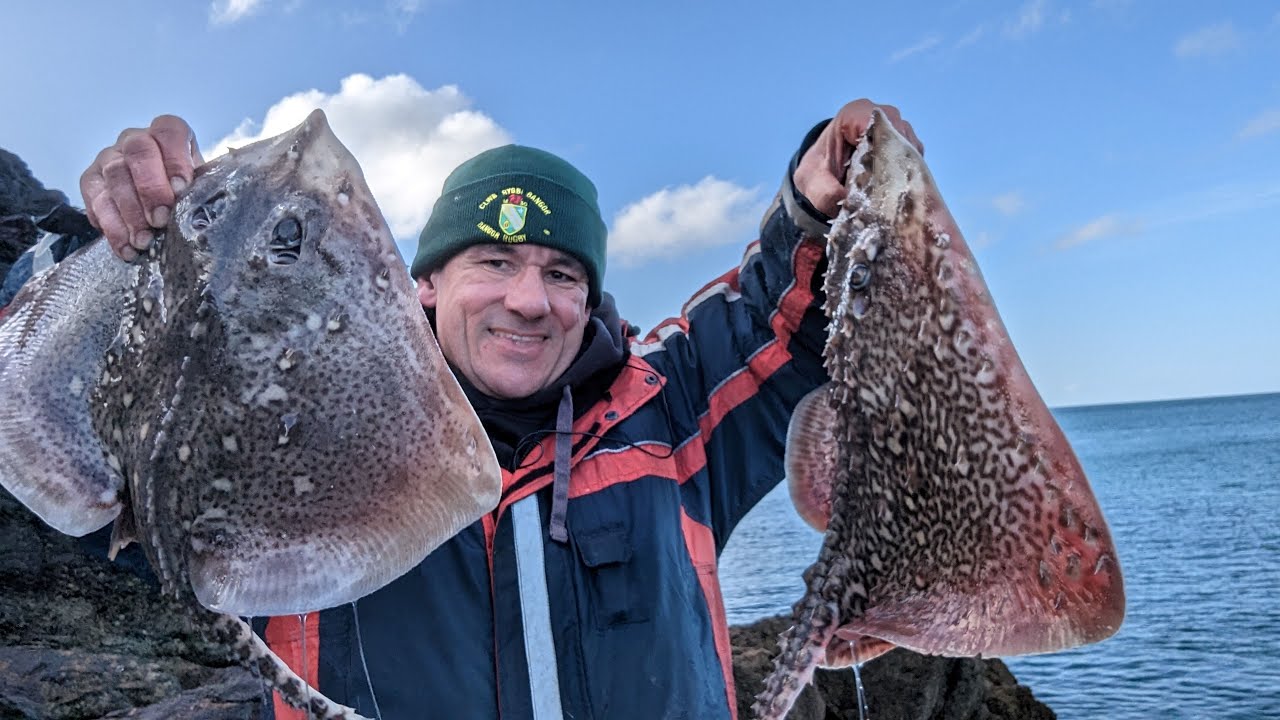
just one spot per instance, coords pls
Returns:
(258, 401)
(957, 518)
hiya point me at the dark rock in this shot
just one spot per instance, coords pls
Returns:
(17, 233)
(900, 685)
(20, 192)
(84, 638)
(28, 209)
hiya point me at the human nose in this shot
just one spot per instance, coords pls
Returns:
(527, 295)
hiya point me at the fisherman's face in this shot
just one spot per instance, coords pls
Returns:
(508, 317)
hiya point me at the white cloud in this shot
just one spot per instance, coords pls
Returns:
(678, 220)
(1216, 201)
(1264, 124)
(1030, 19)
(399, 13)
(1105, 226)
(1209, 40)
(406, 138)
(1193, 206)
(402, 12)
(925, 44)
(225, 12)
(1008, 204)
(972, 36)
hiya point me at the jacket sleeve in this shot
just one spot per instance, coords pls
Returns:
(743, 352)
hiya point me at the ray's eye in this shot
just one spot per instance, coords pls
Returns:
(286, 241)
(208, 211)
(859, 276)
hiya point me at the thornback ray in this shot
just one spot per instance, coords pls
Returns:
(958, 520)
(259, 401)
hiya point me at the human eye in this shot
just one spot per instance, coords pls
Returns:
(493, 261)
(562, 277)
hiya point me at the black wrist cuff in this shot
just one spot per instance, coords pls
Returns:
(802, 212)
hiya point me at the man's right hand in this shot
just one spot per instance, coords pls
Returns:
(129, 189)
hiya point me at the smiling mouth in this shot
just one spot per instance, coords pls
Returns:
(518, 337)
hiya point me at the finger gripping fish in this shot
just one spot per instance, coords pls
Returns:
(258, 402)
(957, 518)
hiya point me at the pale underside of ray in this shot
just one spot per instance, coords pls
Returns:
(53, 343)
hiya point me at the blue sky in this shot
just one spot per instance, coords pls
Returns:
(1115, 164)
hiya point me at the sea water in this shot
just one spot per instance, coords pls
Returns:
(1191, 491)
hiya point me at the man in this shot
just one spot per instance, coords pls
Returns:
(592, 591)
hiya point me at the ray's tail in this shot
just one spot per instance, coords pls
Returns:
(802, 648)
(254, 654)
(816, 617)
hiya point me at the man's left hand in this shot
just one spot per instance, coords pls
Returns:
(820, 173)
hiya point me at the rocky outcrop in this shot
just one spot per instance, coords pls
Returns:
(20, 192)
(22, 199)
(27, 212)
(84, 638)
(900, 685)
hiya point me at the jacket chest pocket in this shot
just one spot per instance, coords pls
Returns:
(613, 586)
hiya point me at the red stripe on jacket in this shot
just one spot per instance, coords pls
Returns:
(702, 553)
(285, 638)
(605, 470)
(744, 384)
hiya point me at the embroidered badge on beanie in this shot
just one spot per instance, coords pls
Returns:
(515, 194)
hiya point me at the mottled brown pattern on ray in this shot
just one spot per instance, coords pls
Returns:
(961, 521)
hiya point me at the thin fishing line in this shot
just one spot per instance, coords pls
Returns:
(355, 614)
(302, 671)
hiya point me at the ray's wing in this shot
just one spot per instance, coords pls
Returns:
(335, 472)
(368, 488)
(53, 341)
(810, 458)
(1016, 564)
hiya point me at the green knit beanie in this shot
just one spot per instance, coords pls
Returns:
(516, 194)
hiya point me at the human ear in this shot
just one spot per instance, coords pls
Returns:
(427, 293)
